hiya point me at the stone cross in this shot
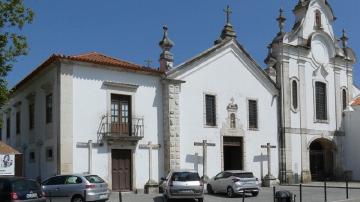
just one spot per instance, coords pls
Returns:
(228, 12)
(150, 147)
(89, 145)
(268, 148)
(204, 144)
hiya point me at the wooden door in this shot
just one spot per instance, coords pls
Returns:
(120, 115)
(121, 170)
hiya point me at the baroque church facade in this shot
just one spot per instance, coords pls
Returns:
(98, 114)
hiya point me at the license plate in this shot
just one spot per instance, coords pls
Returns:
(103, 196)
(32, 195)
(187, 191)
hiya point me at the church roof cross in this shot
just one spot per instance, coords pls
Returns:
(148, 62)
(228, 12)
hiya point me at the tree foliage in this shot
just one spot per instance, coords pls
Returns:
(13, 16)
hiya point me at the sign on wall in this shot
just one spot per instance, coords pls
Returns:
(7, 164)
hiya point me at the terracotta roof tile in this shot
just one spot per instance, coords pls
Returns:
(6, 149)
(356, 102)
(94, 58)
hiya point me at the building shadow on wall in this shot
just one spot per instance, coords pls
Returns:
(194, 159)
(261, 159)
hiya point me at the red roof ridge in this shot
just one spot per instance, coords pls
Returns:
(356, 101)
(84, 54)
(91, 57)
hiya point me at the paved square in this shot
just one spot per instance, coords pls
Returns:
(310, 194)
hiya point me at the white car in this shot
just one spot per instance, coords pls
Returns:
(234, 182)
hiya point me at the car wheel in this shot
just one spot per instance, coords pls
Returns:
(230, 192)
(200, 199)
(209, 189)
(254, 193)
(77, 198)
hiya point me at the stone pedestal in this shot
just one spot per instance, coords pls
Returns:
(305, 176)
(151, 187)
(269, 181)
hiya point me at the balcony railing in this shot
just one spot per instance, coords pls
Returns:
(131, 130)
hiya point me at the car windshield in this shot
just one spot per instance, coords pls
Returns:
(185, 176)
(243, 175)
(94, 179)
(25, 185)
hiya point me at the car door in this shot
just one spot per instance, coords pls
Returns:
(73, 185)
(225, 182)
(217, 181)
(53, 186)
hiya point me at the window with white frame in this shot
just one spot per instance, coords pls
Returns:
(210, 110)
(294, 96)
(344, 99)
(253, 114)
(320, 101)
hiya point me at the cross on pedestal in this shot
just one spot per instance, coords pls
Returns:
(204, 144)
(268, 148)
(150, 147)
(90, 146)
(269, 179)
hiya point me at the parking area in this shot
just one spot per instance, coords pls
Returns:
(310, 194)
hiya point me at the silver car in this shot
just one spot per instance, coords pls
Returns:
(234, 182)
(183, 184)
(76, 188)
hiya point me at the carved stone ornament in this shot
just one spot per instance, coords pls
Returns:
(321, 70)
(232, 106)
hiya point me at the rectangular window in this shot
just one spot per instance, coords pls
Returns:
(49, 108)
(49, 154)
(31, 156)
(18, 124)
(210, 105)
(8, 127)
(31, 115)
(121, 114)
(253, 114)
(321, 102)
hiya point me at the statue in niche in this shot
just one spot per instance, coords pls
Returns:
(232, 120)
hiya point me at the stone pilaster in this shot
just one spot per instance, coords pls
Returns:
(338, 97)
(171, 95)
(286, 116)
(305, 161)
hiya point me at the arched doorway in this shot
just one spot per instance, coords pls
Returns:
(321, 159)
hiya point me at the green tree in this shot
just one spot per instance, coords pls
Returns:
(13, 16)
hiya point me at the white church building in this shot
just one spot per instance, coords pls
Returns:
(94, 113)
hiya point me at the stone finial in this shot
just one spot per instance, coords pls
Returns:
(344, 38)
(281, 20)
(228, 31)
(166, 58)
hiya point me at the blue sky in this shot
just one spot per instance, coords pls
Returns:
(131, 29)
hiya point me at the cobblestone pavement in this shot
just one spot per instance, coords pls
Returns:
(310, 194)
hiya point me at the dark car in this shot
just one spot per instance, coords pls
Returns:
(16, 189)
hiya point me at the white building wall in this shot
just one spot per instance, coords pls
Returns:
(43, 135)
(351, 142)
(226, 76)
(91, 100)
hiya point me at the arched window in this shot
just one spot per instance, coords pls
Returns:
(294, 94)
(321, 101)
(232, 120)
(344, 98)
(318, 19)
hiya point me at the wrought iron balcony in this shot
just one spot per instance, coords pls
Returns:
(115, 131)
